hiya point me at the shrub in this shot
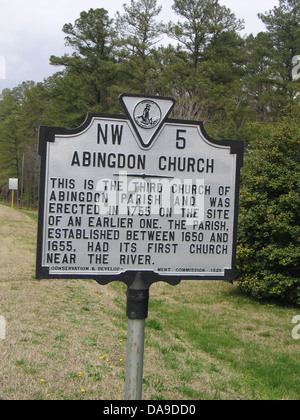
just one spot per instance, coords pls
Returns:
(268, 256)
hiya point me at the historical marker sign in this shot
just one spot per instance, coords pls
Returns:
(13, 184)
(137, 193)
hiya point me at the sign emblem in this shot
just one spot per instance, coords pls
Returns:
(147, 114)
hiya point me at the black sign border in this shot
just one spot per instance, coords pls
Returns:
(47, 134)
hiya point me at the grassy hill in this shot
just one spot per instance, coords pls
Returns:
(66, 339)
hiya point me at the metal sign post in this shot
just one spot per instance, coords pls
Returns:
(13, 185)
(135, 359)
(137, 312)
(137, 198)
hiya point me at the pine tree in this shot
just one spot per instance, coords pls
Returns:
(283, 25)
(92, 63)
(138, 33)
(203, 20)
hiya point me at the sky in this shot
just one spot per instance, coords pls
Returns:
(31, 31)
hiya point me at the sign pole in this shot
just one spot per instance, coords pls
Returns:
(13, 185)
(137, 312)
(138, 198)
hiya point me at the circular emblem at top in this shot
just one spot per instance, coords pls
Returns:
(147, 114)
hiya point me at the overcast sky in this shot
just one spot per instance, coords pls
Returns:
(31, 31)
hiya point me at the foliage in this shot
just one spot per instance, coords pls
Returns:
(236, 85)
(92, 63)
(138, 33)
(284, 32)
(22, 110)
(269, 229)
(204, 20)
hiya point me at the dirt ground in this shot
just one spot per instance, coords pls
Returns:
(65, 340)
(17, 240)
(59, 334)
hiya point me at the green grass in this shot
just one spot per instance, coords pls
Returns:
(250, 340)
(203, 340)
